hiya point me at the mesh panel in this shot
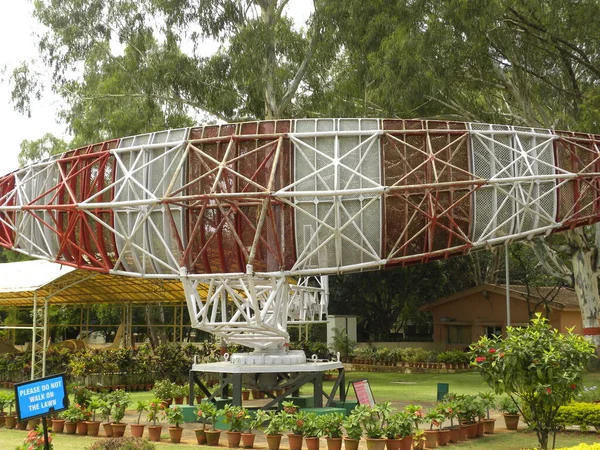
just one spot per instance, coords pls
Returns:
(357, 160)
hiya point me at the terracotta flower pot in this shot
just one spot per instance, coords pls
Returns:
(22, 425)
(406, 443)
(488, 426)
(479, 429)
(375, 444)
(118, 429)
(511, 421)
(82, 427)
(312, 443)
(431, 438)
(58, 425)
(334, 443)
(295, 441)
(178, 400)
(212, 437)
(463, 432)
(393, 444)
(273, 441)
(351, 444)
(10, 422)
(245, 395)
(472, 430)
(443, 437)
(93, 427)
(454, 434)
(248, 440)
(107, 429)
(200, 436)
(70, 427)
(154, 432)
(32, 424)
(233, 439)
(175, 434)
(137, 429)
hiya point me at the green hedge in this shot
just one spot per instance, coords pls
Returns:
(585, 415)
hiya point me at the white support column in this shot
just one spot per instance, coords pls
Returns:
(34, 334)
(507, 276)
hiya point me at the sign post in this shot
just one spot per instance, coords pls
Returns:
(363, 392)
(40, 398)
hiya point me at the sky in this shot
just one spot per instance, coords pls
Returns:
(18, 32)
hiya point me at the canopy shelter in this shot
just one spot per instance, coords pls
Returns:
(39, 284)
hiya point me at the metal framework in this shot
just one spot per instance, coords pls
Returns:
(244, 207)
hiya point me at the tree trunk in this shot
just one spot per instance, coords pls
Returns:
(586, 282)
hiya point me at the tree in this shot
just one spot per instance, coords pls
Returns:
(538, 367)
(386, 301)
(261, 67)
(522, 63)
(541, 288)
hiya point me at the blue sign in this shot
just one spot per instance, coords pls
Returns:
(41, 397)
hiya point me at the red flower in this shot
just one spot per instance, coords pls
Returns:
(573, 386)
(501, 354)
(492, 350)
(480, 359)
(549, 390)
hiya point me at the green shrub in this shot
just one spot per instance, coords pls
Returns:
(585, 415)
(123, 443)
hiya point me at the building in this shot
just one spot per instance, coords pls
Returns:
(460, 319)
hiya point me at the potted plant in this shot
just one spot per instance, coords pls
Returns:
(156, 411)
(252, 422)
(469, 412)
(435, 420)
(120, 400)
(203, 413)
(178, 393)
(294, 422)
(10, 420)
(488, 400)
(273, 430)
(137, 428)
(451, 413)
(444, 410)
(213, 435)
(163, 389)
(312, 431)
(105, 413)
(372, 421)
(234, 417)
(331, 428)
(511, 413)
(392, 431)
(93, 425)
(175, 418)
(72, 415)
(353, 430)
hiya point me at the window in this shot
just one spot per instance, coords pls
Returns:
(490, 332)
(459, 334)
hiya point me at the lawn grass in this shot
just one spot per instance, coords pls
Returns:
(417, 388)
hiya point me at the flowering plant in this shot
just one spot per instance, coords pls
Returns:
(156, 410)
(234, 416)
(205, 411)
(35, 440)
(539, 367)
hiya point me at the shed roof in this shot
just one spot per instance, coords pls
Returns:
(565, 299)
(66, 285)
